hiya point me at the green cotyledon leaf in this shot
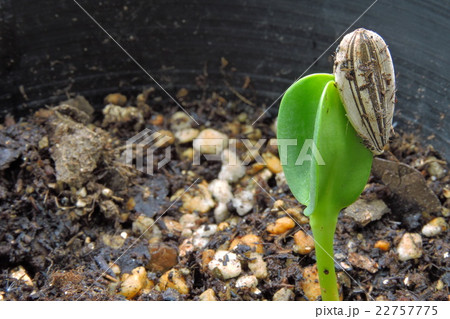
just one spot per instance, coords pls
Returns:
(347, 162)
(295, 126)
(323, 159)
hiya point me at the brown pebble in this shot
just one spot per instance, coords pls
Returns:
(278, 204)
(157, 120)
(234, 129)
(187, 154)
(255, 168)
(130, 203)
(116, 99)
(173, 226)
(223, 226)
(175, 280)
(382, 245)
(253, 241)
(165, 138)
(273, 163)
(186, 247)
(198, 198)
(284, 294)
(297, 214)
(310, 283)
(207, 256)
(304, 243)
(162, 257)
(281, 226)
(133, 284)
(208, 295)
(115, 269)
(446, 192)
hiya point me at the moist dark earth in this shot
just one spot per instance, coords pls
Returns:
(73, 215)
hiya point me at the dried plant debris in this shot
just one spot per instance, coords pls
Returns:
(407, 184)
(70, 207)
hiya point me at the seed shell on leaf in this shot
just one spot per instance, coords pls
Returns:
(365, 78)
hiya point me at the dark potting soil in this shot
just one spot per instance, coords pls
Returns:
(60, 232)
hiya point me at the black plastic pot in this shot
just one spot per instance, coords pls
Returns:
(48, 48)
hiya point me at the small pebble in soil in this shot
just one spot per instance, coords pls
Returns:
(115, 269)
(187, 155)
(197, 199)
(440, 285)
(162, 257)
(19, 273)
(297, 214)
(188, 220)
(157, 120)
(173, 227)
(107, 192)
(284, 294)
(273, 163)
(232, 169)
(223, 226)
(434, 227)
(310, 283)
(202, 234)
(243, 202)
(255, 168)
(253, 241)
(281, 181)
(186, 135)
(434, 168)
(43, 143)
(134, 283)
(207, 257)
(446, 192)
(208, 295)
(410, 247)
(278, 205)
(250, 132)
(304, 243)
(221, 212)
(281, 226)
(210, 141)
(246, 282)
(264, 175)
(163, 138)
(225, 265)
(257, 265)
(180, 121)
(186, 247)
(175, 280)
(382, 245)
(364, 212)
(116, 99)
(221, 190)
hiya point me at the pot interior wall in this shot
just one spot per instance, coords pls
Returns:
(49, 48)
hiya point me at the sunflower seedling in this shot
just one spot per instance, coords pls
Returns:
(345, 117)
